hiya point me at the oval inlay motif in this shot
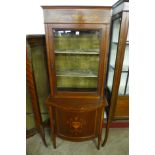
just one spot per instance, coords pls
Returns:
(76, 125)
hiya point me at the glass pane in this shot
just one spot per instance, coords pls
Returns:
(30, 123)
(113, 51)
(127, 89)
(125, 70)
(127, 36)
(126, 59)
(122, 83)
(77, 59)
(126, 56)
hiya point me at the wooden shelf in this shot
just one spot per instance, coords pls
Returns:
(113, 42)
(76, 74)
(95, 52)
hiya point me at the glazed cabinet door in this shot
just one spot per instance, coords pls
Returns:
(116, 24)
(76, 59)
(75, 56)
(124, 83)
(115, 38)
(118, 68)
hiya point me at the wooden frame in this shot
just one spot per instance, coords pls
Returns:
(77, 14)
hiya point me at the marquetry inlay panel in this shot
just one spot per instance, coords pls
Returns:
(76, 124)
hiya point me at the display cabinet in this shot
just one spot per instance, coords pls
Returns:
(77, 39)
(118, 67)
(117, 90)
(32, 105)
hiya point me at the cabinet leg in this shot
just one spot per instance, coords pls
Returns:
(53, 136)
(100, 129)
(106, 133)
(99, 142)
(42, 134)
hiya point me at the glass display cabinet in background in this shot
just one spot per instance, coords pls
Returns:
(77, 39)
(34, 119)
(117, 81)
(118, 65)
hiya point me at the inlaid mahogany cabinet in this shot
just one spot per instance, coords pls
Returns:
(77, 39)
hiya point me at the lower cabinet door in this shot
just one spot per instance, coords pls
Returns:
(76, 125)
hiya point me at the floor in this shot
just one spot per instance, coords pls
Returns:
(118, 144)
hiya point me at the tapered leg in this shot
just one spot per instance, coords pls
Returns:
(53, 136)
(42, 134)
(106, 133)
(100, 129)
(99, 142)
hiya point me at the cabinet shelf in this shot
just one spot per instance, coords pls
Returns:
(76, 74)
(114, 42)
(95, 52)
